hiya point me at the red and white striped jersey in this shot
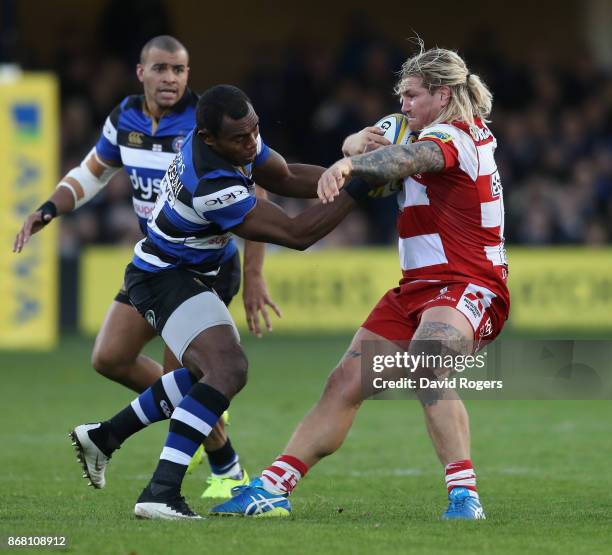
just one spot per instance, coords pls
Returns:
(451, 224)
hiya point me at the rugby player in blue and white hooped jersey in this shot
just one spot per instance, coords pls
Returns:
(207, 194)
(143, 134)
(203, 196)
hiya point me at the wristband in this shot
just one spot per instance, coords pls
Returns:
(48, 209)
(358, 189)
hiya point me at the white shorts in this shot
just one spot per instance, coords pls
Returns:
(193, 317)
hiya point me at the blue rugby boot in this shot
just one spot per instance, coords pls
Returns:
(462, 506)
(253, 500)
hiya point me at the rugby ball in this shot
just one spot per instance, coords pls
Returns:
(396, 129)
(397, 132)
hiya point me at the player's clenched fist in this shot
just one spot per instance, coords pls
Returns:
(366, 140)
(333, 179)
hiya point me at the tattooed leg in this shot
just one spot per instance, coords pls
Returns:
(446, 331)
(325, 427)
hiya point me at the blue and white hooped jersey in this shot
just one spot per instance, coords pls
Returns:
(128, 138)
(202, 197)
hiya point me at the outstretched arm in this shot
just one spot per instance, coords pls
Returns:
(269, 223)
(75, 189)
(288, 180)
(390, 162)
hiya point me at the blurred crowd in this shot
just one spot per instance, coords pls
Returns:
(553, 122)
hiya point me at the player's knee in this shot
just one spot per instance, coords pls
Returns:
(344, 384)
(106, 363)
(237, 369)
(224, 364)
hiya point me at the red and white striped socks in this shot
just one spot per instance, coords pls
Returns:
(460, 474)
(283, 475)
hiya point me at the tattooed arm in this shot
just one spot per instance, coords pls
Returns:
(384, 164)
(397, 161)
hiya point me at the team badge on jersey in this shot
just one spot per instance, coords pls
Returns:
(487, 328)
(177, 143)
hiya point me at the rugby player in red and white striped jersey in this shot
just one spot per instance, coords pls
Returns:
(453, 293)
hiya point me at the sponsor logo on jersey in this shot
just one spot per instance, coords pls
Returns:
(440, 135)
(473, 302)
(471, 305)
(173, 184)
(480, 134)
(225, 197)
(496, 186)
(179, 163)
(135, 139)
(442, 298)
(143, 208)
(177, 143)
(146, 188)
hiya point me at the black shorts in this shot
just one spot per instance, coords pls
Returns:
(178, 303)
(226, 283)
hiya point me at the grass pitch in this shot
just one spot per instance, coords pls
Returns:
(543, 467)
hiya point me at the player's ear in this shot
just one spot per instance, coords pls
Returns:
(445, 95)
(140, 72)
(206, 137)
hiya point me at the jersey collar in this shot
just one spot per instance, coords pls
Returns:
(188, 99)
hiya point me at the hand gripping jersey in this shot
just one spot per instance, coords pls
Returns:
(451, 224)
(129, 138)
(202, 197)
